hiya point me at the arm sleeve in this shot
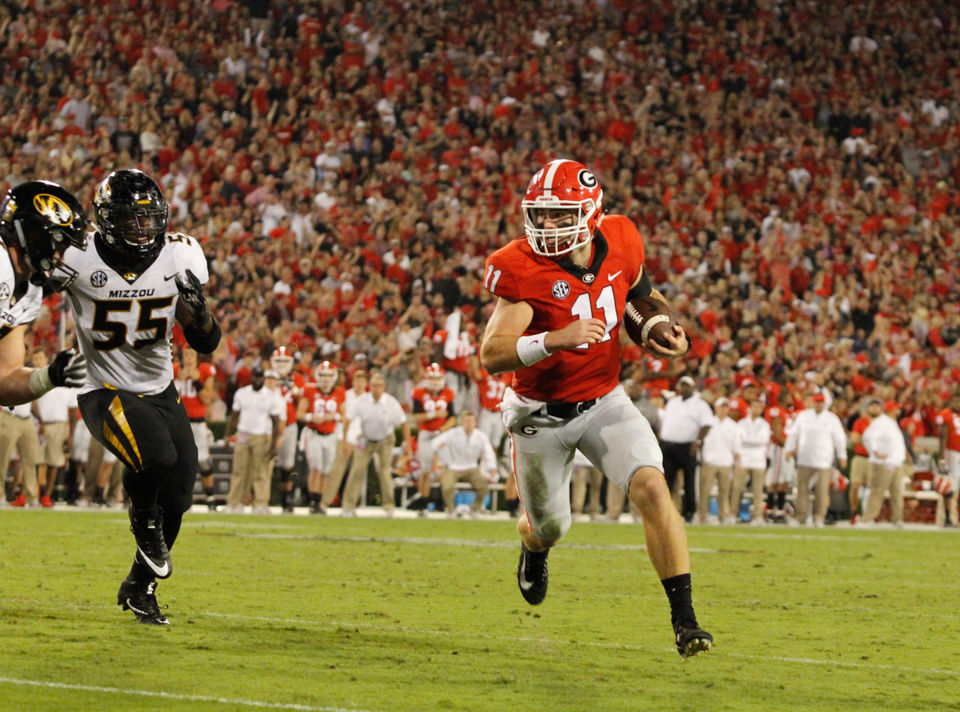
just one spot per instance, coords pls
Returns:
(194, 259)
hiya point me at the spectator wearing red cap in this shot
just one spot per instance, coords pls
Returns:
(887, 454)
(815, 441)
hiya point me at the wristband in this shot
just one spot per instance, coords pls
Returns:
(40, 382)
(531, 349)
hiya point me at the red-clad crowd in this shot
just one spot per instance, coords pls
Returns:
(791, 166)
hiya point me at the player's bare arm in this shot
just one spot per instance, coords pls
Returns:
(14, 376)
(498, 352)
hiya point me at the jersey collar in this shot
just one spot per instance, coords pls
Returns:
(588, 274)
(129, 270)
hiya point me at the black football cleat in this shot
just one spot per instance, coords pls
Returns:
(142, 600)
(691, 639)
(532, 574)
(151, 547)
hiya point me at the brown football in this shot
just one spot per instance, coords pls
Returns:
(648, 319)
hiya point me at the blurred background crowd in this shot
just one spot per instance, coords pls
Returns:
(347, 166)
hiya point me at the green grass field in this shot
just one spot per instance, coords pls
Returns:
(392, 615)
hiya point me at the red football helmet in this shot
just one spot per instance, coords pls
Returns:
(281, 361)
(435, 377)
(561, 188)
(326, 375)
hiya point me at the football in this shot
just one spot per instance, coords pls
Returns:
(648, 319)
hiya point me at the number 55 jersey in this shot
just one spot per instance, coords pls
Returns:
(124, 320)
(559, 292)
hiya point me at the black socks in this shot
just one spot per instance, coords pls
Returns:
(680, 593)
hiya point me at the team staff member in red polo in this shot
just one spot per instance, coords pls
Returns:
(197, 387)
(859, 465)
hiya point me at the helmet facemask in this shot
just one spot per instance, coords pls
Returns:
(139, 230)
(571, 217)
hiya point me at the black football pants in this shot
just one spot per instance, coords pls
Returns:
(676, 457)
(151, 436)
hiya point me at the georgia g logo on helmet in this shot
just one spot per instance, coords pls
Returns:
(561, 208)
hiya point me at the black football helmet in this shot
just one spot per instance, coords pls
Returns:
(131, 213)
(42, 219)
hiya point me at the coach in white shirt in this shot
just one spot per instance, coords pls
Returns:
(887, 452)
(466, 454)
(754, 440)
(684, 421)
(816, 439)
(256, 420)
(379, 414)
(717, 458)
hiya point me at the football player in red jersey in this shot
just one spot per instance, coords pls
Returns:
(561, 294)
(433, 412)
(782, 473)
(324, 418)
(197, 387)
(292, 384)
(948, 422)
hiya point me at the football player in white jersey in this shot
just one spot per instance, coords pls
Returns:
(132, 281)
(38, 221)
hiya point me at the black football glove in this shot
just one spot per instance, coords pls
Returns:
(191, 294)
(69, 369)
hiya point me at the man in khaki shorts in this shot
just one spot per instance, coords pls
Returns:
(17, 430)
(53, 410)
(859, 464)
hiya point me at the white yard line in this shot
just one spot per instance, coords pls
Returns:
(175, 696)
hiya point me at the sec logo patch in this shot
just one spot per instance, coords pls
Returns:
(560, 289)
(98, 278)
(4, 292)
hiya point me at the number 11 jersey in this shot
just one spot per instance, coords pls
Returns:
(124, 321)
(559, 292)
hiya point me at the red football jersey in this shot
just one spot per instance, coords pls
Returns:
(859, 425)
(559, 292)
(953, 427)
(491, 389)
(292, 389)
(190, 394)
(779, 434)
(326, 404)
(440, 403)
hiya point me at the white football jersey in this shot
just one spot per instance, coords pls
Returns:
(16, 309)
(124, 327)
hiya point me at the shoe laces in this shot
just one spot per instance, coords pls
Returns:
(534, 565)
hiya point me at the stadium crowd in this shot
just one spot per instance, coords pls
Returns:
(347, 166)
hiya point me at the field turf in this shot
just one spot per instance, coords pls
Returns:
(298, 613)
